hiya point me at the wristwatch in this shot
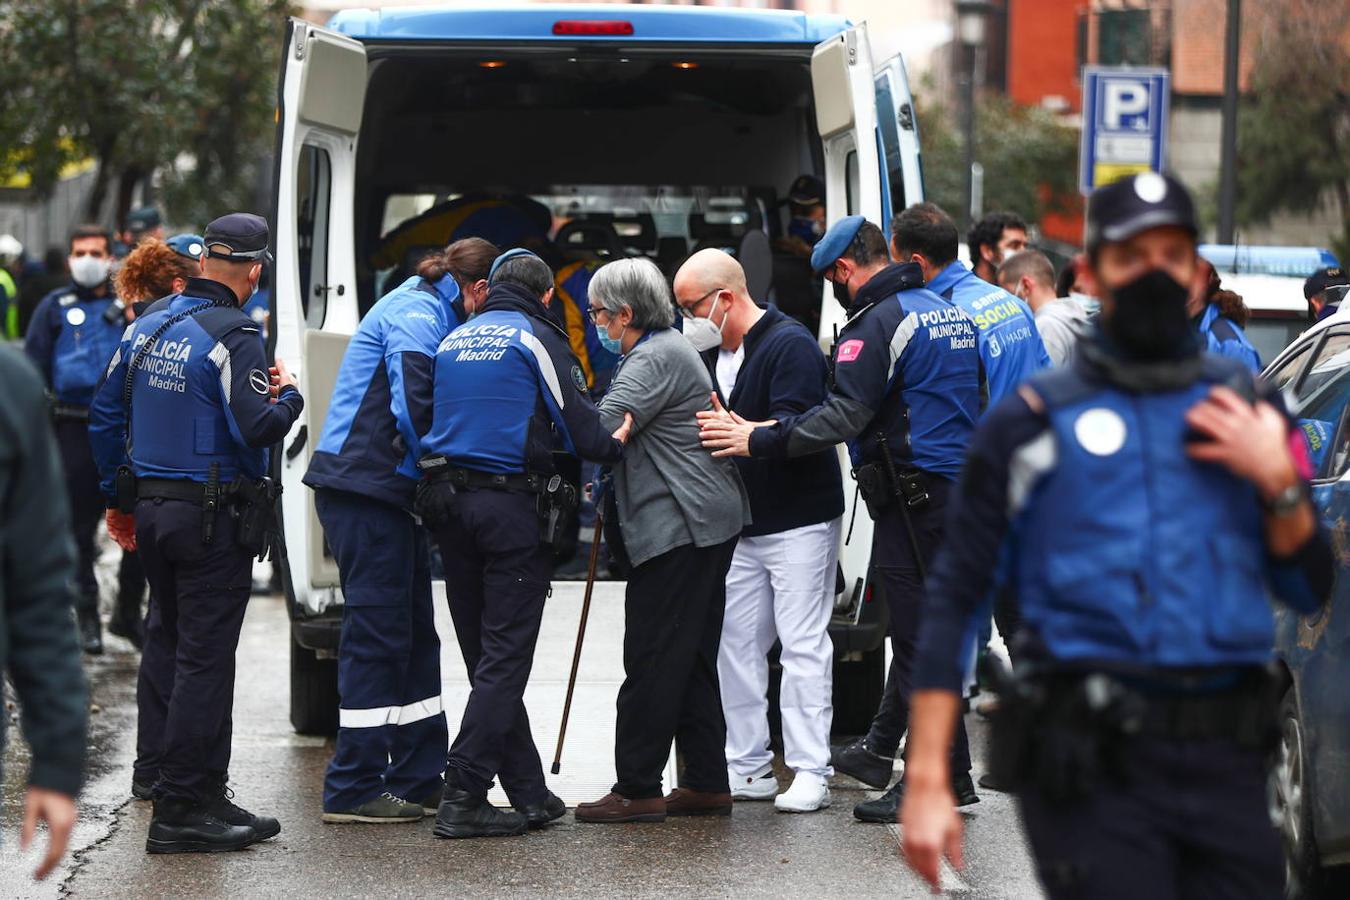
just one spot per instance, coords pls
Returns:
(1287, 500)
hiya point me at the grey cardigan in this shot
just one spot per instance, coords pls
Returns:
(669, 490)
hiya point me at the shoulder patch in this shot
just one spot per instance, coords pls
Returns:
(579, 378)
(848, 351)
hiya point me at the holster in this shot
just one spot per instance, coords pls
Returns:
(879, 490)
(124, 485)
(556, 502)
(255, 514)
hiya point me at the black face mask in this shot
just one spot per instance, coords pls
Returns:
(1149, 322)
(841, 293)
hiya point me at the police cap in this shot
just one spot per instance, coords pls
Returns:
(189, 245)
(834, 242)
(143, 219)
(237, 237)
(807, 190)
(1120, 210)
(1319, 281)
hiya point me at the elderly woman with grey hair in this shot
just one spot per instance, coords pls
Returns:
(679, 512)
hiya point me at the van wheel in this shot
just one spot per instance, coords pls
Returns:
(857, 692)
(1291, 807)
(314, 693)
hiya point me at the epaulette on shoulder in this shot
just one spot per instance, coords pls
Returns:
(219, 321)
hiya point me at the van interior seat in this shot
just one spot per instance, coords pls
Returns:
(593, 236)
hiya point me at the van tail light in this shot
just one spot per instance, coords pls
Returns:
(593, 27)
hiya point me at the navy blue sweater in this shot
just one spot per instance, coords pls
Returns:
(783, 374)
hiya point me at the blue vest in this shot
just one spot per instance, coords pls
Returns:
(180, 395)
(1010, 346)
(1125, 550)
(84, 343)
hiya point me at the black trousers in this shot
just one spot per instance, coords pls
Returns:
(1188, 821)
(185, 691)
(497, 575)
(673, 613)
(897, 570)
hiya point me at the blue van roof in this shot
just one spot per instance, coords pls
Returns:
(1295, 262)
(535, 22)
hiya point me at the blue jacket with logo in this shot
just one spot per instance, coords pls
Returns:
(508, 390)
(1223, 336)
(1125, 553)
(381, 405)
(200, 395)
(905, 365)
(1010, 346)
(71, 337)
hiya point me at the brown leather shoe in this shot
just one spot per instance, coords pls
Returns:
(684, 802)
(614, 808)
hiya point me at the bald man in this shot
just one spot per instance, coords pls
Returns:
(781, 583)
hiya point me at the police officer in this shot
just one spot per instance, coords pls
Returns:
(905, 392)
(507, 388)
(71, 337)
(1218, 316)
(391, 730)
(1324, 290)
(1147, 497)
(181, 428)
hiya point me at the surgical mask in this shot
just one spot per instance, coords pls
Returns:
(89, 271)
(1087, 301)
(702, 333)
(1149, 322)
(806, 228)
(613, 345)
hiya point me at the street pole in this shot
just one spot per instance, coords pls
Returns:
(968, 130)
(1228, 140)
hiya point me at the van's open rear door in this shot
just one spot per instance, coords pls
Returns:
(846, 116)
(323, 87)
(898, 127)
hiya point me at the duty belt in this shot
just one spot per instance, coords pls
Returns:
(70, 412)
(523, 482)
(172, 489)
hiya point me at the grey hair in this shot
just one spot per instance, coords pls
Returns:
(638, 284)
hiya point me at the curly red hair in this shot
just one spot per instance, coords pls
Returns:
(148, 272)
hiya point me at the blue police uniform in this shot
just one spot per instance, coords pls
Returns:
(905, 366)
(507, 391)
(1223, 336)
(71, 337)
(1010, 346)
(392, 732)
(1129, 558)
(199, 403)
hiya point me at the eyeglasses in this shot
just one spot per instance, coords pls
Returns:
(687, 309)
(593, 311)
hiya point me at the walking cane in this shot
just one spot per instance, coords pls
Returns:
(581, 635)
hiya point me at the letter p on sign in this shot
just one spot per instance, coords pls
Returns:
(1125, 105)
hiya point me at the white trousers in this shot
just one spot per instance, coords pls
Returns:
(780, 586)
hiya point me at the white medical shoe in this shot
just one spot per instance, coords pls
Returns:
(809, 792)
(753, 787)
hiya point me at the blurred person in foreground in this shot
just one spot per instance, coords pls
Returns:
(38, 646)
(674, 514)
(1150, 495)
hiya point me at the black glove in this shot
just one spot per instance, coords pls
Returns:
(435, 502)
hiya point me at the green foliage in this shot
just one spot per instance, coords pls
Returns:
(1030, 157)
(1294, 124)
(178, 90)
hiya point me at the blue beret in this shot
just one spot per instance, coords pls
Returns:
(189, 245)
(515, 253)
(834, 242)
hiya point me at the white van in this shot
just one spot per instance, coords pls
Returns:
(688, 123)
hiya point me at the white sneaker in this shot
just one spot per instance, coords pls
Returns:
(753, 787)
(809, 792)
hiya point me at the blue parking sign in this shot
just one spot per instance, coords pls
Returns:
(1124, 123)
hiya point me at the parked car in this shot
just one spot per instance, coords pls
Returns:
(1311, 781)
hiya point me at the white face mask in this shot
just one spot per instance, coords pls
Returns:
(89, 271)
(702, 333)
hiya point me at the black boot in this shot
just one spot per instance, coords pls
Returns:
(223, 807)
(886, 808)
(864, 763)
(126, 622)
(182, 826)
(466, 815)
(544, 812)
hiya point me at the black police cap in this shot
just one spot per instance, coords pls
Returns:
(1120, 210)
(1319, 281)
(238, 237)
(807, 190)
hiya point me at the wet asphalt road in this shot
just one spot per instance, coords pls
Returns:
(755, 853)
